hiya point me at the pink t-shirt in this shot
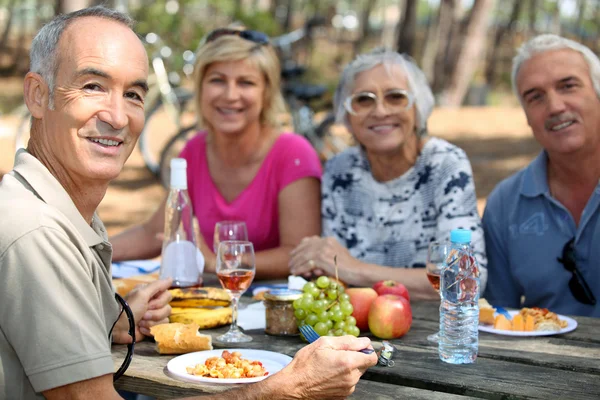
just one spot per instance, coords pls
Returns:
(291, 158)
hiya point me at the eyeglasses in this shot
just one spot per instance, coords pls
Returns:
(579, 287)
(253, 36)
(395, 100)
(130, 346)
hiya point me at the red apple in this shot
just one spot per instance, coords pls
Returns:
(391, 287)
(361, 299)
(390, 316)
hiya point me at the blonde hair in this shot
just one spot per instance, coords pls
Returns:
(234, 48)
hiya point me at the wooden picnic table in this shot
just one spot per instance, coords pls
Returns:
(548, 367)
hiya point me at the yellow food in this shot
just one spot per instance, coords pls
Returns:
(486, 312)
(518, 324)
(205, 318)
(199, 297)
(228, 366)
(501, 322)
(180, 338)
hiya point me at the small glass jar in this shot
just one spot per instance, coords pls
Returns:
(279, 314)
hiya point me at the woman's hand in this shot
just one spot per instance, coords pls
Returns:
(315, 256)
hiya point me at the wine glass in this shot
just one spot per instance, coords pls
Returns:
(229, 230)
(436, 255)
(235, 270)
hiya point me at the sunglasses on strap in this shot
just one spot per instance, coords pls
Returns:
(252, 36)
(579, 287)
(125, 307)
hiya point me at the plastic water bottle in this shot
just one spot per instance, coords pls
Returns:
(459, 311)
(181, 258)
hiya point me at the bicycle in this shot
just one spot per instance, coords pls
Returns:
(298, 96)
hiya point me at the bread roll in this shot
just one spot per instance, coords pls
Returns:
(177, 338)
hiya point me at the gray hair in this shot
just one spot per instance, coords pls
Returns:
(549, 42)
(417, 84)
(43, 55)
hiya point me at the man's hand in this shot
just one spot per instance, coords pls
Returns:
(326, 369)
(314, 256)
(150, 306)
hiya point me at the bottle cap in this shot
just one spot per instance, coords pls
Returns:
(460, 236)
(283, 295)
(178, 173)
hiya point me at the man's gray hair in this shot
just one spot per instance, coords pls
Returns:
(549, 42)
(44, 56)
(417, 84)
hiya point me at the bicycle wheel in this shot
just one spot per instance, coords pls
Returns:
(163, 117)
(334, 138)
(172, 150)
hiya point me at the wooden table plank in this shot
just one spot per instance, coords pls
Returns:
(147, 375)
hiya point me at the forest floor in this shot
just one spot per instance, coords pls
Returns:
(496, 139)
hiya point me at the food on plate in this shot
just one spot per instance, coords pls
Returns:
(205, 318)
(486, 312)
(125, 285)
(199, 297)
(228, 366)
(502, 323)
(176, 338)
(530, 319)
(543, 319)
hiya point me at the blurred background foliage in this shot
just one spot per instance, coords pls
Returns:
(464, 46)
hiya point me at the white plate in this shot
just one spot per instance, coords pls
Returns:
(273, 362)
(571, 325)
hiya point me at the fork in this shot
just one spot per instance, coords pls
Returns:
(502, 310)
(309, 334)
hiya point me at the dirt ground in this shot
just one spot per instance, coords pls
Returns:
(497, 141)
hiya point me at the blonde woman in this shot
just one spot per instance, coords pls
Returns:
(240, 166)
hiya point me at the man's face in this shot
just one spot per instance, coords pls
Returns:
(98, 100)
(559, 100)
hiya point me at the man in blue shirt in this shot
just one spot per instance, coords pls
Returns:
(542, 225)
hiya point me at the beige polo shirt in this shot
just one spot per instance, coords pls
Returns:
(57, 303)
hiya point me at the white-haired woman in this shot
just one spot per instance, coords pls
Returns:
(386, 199)
(241, 166)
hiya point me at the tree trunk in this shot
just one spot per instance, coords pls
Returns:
(579, 24)
(364, 26)
(432, 40)
(555, 26)
(67, 6)
(595, 46)
(501, 32)
(9, 22)
(532, 17)
(448, 20)
(470, 54)
(407, 30)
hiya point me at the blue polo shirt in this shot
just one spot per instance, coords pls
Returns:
(525, 231)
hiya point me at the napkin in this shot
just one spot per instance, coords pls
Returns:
(252, 316)
(125, 269)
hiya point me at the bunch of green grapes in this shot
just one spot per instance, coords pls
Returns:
(326, 307)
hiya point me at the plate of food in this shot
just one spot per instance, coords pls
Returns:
(227, 366)
(533, 321)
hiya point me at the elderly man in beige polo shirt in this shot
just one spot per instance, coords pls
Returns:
(86, 94)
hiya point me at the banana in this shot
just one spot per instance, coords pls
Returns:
(205, 318)
(199, 297)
